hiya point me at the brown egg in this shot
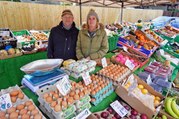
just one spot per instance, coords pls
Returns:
(25, 116)
(13, 99)
(64, 104)
(58, 108)
(59, 100)
(76, 97)
(14, 93)
(38, 116)
(21, 95)
(93, 92)
(19, 107)
(70, 100)
(23, 111)
(81, 94)
(13, 115)
(45, 95)
(55, 95)
(10, 110)
(2, 114)
(28, 103)
(53, 104)
(93, 99)
(31, 107)
(34, 112)
(86, 91)
(49, 99)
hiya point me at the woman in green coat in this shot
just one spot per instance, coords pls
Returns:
(92, 40)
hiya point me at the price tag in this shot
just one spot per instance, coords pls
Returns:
(4, 33)
(104, 62)
(83, 115)
(129, 64)
(148, 80)
(125, 48)
(5, 102)
(64, 86)
(119, 108)
(86, 78)
(131, 77)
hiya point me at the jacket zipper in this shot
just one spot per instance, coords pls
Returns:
(89, 51)
(65, 46)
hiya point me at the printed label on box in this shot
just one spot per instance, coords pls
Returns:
(5, 102)
(86, 78)
(119, 108)
(64, 86)
(104, 62)
(83, 115)
(129, 64)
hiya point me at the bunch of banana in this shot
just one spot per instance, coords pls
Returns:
(171, 107)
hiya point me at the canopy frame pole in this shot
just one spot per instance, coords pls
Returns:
(80, 14)
(122, 6)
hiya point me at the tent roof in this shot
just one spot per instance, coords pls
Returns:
(117, 3)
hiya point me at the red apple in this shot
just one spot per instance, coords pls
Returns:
(143, 116)
(117, 116)
(132, 117)
(104, 114)
(110, 110)
(134, 112)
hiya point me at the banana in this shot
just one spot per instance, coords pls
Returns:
(164, 117)
(168, 107)
(174, 107)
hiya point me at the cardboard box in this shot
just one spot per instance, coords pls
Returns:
(135, 102)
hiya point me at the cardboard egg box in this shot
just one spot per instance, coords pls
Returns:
(23, 109)
(71, 108)
(121, 71)
(16, 94)
(134, 101)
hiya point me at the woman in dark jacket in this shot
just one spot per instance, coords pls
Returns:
(63, 38)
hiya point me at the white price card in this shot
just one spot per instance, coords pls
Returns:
(64, 86)
(148, 80)
(5, 102)
(83, 115)
(119, 108)
(124, 48)
(129, 64)
(104, 62)
(86, 78)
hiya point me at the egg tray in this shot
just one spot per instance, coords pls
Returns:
(77, 75)
(29, 111)
(102, 96)
(14, 88)
(82, 101)
(51, 116)
(98, 94)
(85, 106)
(116, 82)
(66, 111)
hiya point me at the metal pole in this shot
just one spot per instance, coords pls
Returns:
(122, 6)
(80, 14)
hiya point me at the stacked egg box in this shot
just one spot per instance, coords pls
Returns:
(22, 107)
(99, 89)
(76, 69)
(114, 73)
(67, 106)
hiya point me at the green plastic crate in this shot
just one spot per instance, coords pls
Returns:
(165, 37)
(20, 33)
(168, 49)
(113, 42)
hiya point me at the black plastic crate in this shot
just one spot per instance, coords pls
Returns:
(11, 40)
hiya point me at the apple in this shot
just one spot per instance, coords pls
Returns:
(104, 114)
(117, 116)
(97, 115)
(132, 117)
(127, 107)
(143, 116)
(113, 117)
(110, 110)
(134, 112)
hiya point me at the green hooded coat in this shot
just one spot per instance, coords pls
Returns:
(94, 47)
